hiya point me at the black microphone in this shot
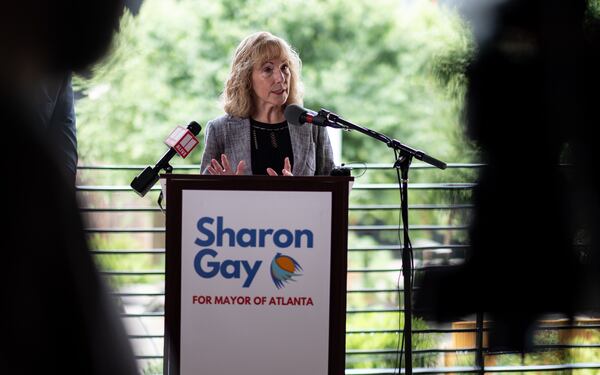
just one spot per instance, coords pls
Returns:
(296, 115)
(148, 178)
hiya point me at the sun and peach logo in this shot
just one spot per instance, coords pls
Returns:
(284, 269)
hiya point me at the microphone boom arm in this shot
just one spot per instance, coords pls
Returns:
(335, 121)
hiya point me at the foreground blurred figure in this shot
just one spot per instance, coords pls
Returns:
(530, 107)
(56, 317)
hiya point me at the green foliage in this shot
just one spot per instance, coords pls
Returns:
(594, 8)
(153, 368)
(383, 341)
(556, 357)
(125, 262)
(396, 67)
(392, 66)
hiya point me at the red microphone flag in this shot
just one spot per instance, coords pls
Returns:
(182, 140)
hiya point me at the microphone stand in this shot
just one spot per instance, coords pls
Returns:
(168, 170)
(405, 156)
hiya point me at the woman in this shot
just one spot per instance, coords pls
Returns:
(253, 137)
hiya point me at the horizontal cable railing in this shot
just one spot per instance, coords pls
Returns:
(415, 186)
(350, 228)
(196, 167)
(364, 248)
(380, 207)
(476, 370)
(127, 237)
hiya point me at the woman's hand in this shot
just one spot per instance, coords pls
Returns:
(286, 171)
(224, 168)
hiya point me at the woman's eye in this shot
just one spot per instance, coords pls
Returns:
(285, 68)
(268, 69)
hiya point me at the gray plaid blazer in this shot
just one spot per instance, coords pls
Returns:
(230, 135)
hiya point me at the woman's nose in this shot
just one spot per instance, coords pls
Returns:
(279, 76)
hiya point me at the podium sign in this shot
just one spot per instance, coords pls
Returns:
(255, 279)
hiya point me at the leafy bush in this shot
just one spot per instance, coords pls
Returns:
(383, 341)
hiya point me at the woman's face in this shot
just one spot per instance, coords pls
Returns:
(271, 83)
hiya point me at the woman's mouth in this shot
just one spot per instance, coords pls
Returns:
(279, 92)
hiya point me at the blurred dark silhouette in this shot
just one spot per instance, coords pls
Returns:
(53, 101)
(532, 93)
(56, 316)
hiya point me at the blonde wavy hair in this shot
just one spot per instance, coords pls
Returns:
(253, 51)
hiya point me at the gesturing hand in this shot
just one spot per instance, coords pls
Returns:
(286, 171)
(224, 168)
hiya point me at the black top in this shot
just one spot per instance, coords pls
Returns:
(271, 144)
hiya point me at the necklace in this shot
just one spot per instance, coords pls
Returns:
(272, 135)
